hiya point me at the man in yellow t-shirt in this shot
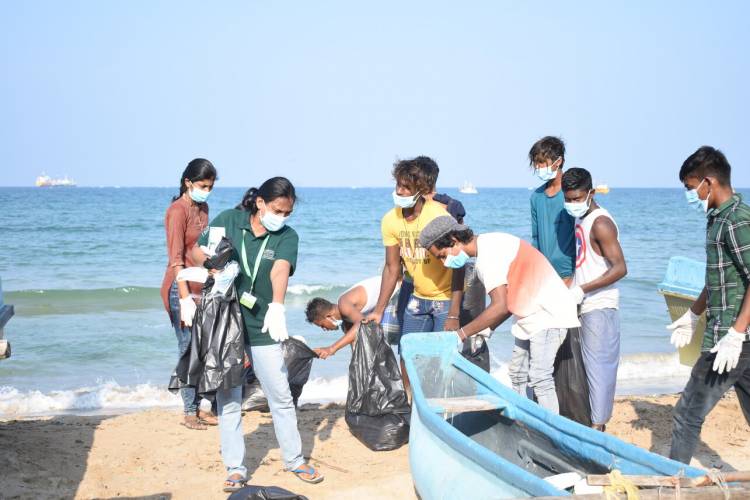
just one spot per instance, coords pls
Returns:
(435, 304)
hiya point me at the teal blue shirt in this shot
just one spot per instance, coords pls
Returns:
(553, 231)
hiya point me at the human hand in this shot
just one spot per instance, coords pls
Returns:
(683, 329)
(451, 325)
(275, 322)
(373, 316)
(187, 310)
(728, 350)
(577, 293)
(324, 352)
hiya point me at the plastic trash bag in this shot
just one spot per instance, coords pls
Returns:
(251, 492)
(571, 384)
(298, 358)
(214, 359)
(222, 255)
(377, 410)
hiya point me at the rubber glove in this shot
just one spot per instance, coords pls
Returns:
(275, 322)
(577, 293)
(683, 329)
(728, 351)
(187, 310)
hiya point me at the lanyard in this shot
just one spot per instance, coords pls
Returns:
(245, 267)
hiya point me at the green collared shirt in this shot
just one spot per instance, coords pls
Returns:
(282, 245)
(727, 266)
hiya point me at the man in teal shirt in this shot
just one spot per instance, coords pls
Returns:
(552, 229)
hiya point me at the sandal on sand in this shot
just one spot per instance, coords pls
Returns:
(207, 418)
(193, 422)
(310, 471)
(232, 485)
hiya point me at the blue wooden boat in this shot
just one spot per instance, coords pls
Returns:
(473, 437)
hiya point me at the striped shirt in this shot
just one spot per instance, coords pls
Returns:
(727, 266)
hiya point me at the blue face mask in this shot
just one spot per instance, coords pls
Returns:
(273, 222)
(199, 195)
(405, 201)
(695, 200)
(577, 208)
(546, 173)
(456, 261)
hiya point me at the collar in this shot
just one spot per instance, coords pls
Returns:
(731, 202)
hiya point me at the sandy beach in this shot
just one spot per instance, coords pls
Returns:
(147, 454)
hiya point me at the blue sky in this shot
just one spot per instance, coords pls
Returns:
(331, 93)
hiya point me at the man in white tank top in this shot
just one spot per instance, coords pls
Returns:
(351, 308)
(599, 265)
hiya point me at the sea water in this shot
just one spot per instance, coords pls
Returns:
(83, 267)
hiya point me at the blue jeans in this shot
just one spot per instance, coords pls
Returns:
(190, 400)
(424, 315)
(269, 367)
(532, 364)
(704, 389)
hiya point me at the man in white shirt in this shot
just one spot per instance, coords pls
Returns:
(520, 282)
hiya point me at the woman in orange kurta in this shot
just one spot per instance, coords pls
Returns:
(185, 220)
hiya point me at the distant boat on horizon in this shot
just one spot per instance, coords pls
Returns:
(468, 188)
(601, 189)
(45, 180)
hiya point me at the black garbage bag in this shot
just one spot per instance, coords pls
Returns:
(251, 492)
(377, 410)
(298, 358)
(223, 254)
(570, 380)
(214, 359)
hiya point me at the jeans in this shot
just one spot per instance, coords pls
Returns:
(189, 399)
(702, 392)
(600, 349)
(269, 367)
(424, 315)
(532, 364)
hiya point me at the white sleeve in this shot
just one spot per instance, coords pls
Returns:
(493, 260)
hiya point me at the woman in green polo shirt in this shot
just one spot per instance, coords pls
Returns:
(267, 253)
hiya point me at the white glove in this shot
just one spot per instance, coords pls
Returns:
(728, 351)
(187, 310)
(577, 293)
(275, 322)
(683, 329)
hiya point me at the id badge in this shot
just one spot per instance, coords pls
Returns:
(248, 300)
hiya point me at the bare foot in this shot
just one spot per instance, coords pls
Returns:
(192, 422)
(208, 418)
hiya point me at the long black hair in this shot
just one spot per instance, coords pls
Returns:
(199, 169)
(275, 187)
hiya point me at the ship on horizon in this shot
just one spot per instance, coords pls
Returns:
(45, 180)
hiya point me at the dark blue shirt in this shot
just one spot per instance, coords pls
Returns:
(553, 231)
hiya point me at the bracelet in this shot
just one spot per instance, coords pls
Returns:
(451, 317)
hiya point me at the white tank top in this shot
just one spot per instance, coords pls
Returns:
(590, 265)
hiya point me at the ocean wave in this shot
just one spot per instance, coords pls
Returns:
(107, 396)
(649, 373)
(83, 301)
(38, 302)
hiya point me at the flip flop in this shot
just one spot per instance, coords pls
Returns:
(237, 484)
(309, 470)
(195, 425)
(209, 419)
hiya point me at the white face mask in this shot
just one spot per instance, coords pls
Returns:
(578, 209)
(405, 201)
(336, 322)
(695, 200)
(273, 222)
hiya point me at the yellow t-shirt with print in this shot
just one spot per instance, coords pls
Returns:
(432, 280)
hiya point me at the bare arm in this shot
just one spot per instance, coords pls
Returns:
(604, 232)
(700, 303)
(495, 314)
(391, 273)
(348, 304)
(457, 294)
(280, 279)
